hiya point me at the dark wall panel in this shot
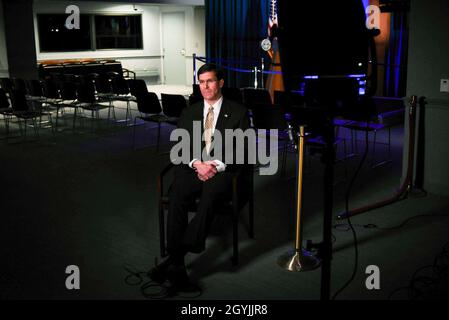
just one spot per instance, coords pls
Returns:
(19, 34)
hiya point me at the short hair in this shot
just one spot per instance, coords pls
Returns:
(210, 67)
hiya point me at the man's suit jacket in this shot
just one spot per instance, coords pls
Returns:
(232, 116)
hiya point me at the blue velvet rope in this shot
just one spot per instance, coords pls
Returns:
(204, 59)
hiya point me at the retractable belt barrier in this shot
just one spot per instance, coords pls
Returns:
(227, 64)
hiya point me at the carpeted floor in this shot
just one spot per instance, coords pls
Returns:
(88, 198)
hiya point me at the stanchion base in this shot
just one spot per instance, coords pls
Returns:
(298, 260)
(343, 215)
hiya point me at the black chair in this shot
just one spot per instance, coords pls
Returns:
(87, 98)
(101, 86)
(196, 91)
(35, 90)
(6, 84)
(388, 112)
(242, 194)
(19, 84)
(5, 109)
(232, 93)
(252, 96)
(120, 91)
(52, 90)
(128, 74)
(196, 95)
(4, 102)
(288, 99)
(269, 117)
(69, 97)
(150, 108)
(119, 85)
(23, 112)
(266, 117)
(137, 86)
(108, 89)
(255, 98)
(172, 106)
(367, 127)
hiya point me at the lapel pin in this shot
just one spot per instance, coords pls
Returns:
(226, 115)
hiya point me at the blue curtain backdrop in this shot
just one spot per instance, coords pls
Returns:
(234, 29)
(396, 56)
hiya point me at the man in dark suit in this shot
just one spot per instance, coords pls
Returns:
(207, 175)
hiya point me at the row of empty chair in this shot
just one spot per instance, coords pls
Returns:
(81, 93)
(87, 93)
(14, 104)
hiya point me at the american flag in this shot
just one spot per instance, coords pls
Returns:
(273, 16)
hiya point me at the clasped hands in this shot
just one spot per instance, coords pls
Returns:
(205, 170)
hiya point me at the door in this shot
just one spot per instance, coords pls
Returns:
(173, 48)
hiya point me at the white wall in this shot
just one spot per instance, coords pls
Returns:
(199, 46)
(3, 54)
(195, 39)
(146, 61)
(428, 54)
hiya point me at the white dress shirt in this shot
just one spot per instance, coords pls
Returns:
(217, 107)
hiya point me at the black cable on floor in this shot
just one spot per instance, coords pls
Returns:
(345, 227)
(423, 285)
(158, 291)
(348, 193)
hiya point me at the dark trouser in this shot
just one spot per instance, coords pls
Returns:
(184, 236)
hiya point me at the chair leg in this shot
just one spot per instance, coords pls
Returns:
(109, 114)
(5, 119)
(387, 159)
(128, 112)
(162, 231)
(74, 119)
(114, 118)
(57, 117)
(25, 130)
(19, 122)
(6, 125)
(109, 110)
(92, 120)
(35, 126)
(51, 125)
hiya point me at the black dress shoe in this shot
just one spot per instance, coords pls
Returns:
(159, 272)
(177, 277)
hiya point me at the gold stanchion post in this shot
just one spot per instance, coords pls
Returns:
(299, 259)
